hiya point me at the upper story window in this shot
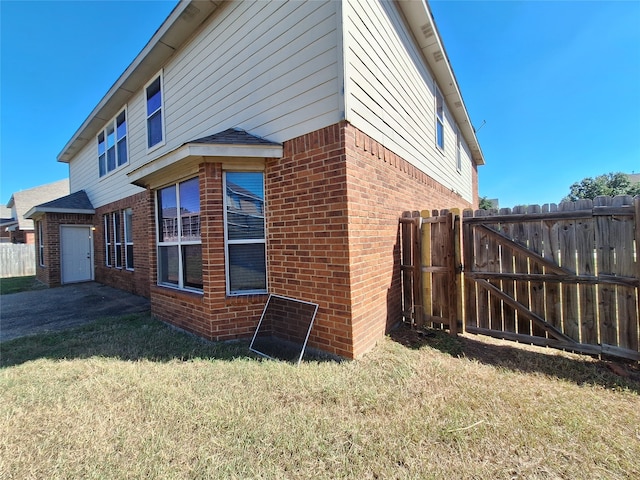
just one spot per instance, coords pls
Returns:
(458, 150)
(439, 120)
(155, 120)
(112, 144)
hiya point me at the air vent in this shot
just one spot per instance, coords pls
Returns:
(458, 104)
(427, 31)
(189, 13)
(438, 56)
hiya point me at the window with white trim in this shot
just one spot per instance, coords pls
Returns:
(117, 239)
(439, 120)
(458, 150)
(107, 239)
(128, 238)
(112, 144)
(155, 119)
(245, 240)
(40, 244)
(179, 238)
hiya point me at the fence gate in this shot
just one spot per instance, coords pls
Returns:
(565, 276)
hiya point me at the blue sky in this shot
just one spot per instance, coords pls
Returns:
(558, 84)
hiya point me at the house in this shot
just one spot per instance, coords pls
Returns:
(266, 147)
(19, 227)
(6, 221)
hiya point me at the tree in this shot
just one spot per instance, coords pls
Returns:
(610, 184)
(485, 204)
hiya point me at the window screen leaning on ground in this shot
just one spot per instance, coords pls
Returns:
(246, 265)
(179, 240)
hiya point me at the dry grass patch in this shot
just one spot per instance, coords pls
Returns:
(409, 410)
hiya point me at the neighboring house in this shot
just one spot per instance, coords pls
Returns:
(266, 147)
(6, 221)
(20, 228)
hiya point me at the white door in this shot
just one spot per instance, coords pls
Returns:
(76, 250)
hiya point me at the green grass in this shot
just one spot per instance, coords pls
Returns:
(19, 284)
(132, 398)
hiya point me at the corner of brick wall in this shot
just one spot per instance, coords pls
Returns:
(381, 186)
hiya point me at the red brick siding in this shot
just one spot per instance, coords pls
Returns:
(308, 244)
(381, 186)
(136, 281)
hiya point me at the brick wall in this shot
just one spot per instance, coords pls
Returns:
(136, 281)
(381, 186)
(308, 244)
(333, 202)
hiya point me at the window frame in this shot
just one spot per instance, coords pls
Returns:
(107, 239)
(127, 213)
(179, 243)
(439, 119)
(227, 242)
(458, 151)
(102, 138)
(160, 110)
(40, 245)
(117, 239)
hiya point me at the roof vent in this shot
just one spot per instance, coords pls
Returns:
(427, 30)
(189, 13)
(438, 56)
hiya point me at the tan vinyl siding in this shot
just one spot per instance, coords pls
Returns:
(390, 94)
(270, 68)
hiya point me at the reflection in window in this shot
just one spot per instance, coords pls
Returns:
(179, 237)
(245, 233)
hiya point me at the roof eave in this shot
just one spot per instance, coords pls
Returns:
(37, 212)
(420, 20)
(179, 26)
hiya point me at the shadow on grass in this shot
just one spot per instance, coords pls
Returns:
(130, 337)
(579, 369)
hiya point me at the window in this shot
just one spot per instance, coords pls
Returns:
(458, 151)
(179, 239)
(117, 239)
(439, 120)
(107, 240)
(112, 145)
(40, 245)
(128, 238)
(155, 125)
(245, 243)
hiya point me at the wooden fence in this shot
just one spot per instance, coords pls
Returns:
(566, 276)
(17, 260)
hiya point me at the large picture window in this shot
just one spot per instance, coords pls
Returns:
(155, 125)
(112, 144)
(245, 243)
(179, 239)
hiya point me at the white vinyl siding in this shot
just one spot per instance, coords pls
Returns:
(390, 93)
(270, 68)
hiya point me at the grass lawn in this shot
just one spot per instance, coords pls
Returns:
(132, 398)
(19, 284)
